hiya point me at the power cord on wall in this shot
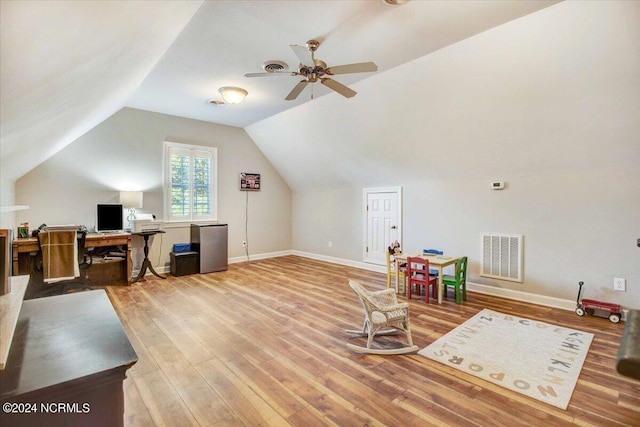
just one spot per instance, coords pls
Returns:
(246, 226)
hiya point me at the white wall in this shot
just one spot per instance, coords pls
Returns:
(548, 103)
(7, 198)
(125, 153)
(331, 215)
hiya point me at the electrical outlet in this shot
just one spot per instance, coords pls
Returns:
(330, 244)
(244, 243)
(620, 284)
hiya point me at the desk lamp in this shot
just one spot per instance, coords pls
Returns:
(131, 200)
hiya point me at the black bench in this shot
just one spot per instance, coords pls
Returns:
(629, 354)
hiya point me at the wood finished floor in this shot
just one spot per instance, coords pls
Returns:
(262, 344)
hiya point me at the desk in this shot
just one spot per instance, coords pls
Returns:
(435, 261)
(72, 350)
(94, 240)
(10, 305)
(146, 263)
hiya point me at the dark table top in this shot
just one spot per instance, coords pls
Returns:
(147, 233)
(62, 339)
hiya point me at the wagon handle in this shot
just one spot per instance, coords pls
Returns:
(579, 292)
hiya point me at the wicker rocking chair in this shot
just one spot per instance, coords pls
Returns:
(383, 316)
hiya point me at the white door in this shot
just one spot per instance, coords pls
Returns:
(382, 222)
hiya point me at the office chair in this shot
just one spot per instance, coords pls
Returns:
(64, 263)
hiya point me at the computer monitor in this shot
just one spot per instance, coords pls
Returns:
(109, 218)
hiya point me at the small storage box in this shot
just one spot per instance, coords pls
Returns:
(181, 247)
(183, 263)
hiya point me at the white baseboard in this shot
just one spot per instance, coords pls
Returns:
(341, 261)
(254, 257)
(474, 287)
(522, 296)
(165, 269)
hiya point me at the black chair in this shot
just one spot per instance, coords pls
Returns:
(83, 260)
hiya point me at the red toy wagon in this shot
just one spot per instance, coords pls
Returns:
(590, 306)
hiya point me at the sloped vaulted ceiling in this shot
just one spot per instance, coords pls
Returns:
(68, 65)
(538, 96)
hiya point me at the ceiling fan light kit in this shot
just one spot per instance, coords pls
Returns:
(313, 70)
(232, 94)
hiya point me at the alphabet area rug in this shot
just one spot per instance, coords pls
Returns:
(537, 359)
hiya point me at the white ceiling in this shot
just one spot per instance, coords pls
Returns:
(227, 39)
(67, 66)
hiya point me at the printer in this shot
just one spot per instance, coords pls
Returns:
(146, 222)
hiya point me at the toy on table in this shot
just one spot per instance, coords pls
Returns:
(590, 306)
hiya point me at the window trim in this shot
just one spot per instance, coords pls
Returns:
(166, 187)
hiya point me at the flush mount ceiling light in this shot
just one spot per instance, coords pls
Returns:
(232, 95)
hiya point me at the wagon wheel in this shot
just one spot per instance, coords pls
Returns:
(580, 311)
(590, 311)
(614, 317)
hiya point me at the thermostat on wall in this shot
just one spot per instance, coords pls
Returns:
(498, 185)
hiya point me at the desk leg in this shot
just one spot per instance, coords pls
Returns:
(397, 275)
(440, 284)
(128, 273)
(153, 271)
(146, 263)
(141, 273)
(143, 270)
(15, 254)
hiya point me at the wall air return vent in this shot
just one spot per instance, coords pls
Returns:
(502, 256)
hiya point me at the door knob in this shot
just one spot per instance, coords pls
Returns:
(393, 227)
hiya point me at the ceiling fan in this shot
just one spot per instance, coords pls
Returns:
(313, 69)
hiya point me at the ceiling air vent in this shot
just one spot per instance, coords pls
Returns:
(273, 66)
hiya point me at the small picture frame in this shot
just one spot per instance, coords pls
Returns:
(23, 231)
(249, 181)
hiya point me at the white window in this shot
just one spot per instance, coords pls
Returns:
(190, 182)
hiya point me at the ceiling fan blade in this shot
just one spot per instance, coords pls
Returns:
(296, 90)
(362, 67)
(274, 73)
(338, 87)
(303, 55)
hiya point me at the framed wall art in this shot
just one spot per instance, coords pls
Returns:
(249, 181)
